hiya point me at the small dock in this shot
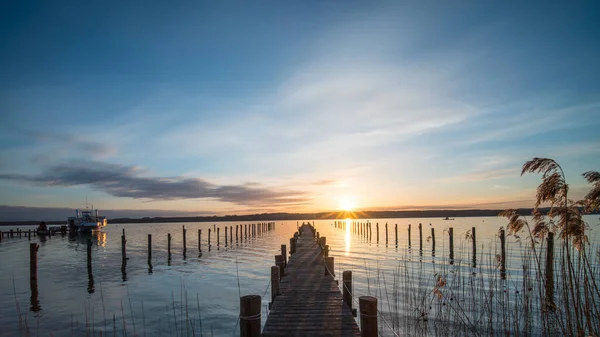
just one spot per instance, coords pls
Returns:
(305, 297)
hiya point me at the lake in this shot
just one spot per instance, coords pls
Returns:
(200, 295)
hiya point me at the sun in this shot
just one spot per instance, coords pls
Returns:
(346, 204)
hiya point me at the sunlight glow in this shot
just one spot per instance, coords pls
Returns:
(346, 204)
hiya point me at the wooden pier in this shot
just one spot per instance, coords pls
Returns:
(309, 302)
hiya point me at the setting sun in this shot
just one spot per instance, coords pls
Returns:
(346, 204)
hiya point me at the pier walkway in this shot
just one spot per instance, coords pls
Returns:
(310, 302)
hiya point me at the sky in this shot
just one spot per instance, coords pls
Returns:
(193, 107)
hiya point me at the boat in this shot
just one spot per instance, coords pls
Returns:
(447, 218)
(87, 221)
(42, 229)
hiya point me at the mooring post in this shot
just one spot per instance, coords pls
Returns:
(396, 231)
(377, 230)
(326, 250)
(329, 266)
(474, 237)
(236, 233)
(123, 250)
(420, 236)
(218, 236)
(184, 242)
(208, 240)
(279, 263)
(550, 272)
(274, 284)
(225, 236)
(1, 235)
(347, 291)
(231, 234)
(150, 251)
(199, 242)
(386, 233)
(284, 254)
(502, 254)
(169, 245)
(409, 236)
(89, 254)
(451, 235)
(292, 245)
(33, 249)
(250, 316)
(433, 240)
(368, 316)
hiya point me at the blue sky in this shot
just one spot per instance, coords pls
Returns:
(240, 107)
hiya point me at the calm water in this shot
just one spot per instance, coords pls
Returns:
(204, 291)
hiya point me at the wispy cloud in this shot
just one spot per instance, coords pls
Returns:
(128, 182)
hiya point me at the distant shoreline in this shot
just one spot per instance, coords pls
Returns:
(302, 216)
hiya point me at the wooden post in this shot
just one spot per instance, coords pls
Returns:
(225, 236)
(329, 266)
(279, 263)
(420, 236)
(377, 230)
(347, 291)
(550, 272)
(89, 253)
(184, 242)
(218, 236)
(326, 250)
(386, 233)
(199, 242)
(368, 316)
(409, 236)
(433, 241)
(396, 230)
(236, 233)
(123, 250)
(208, 240)
(231, 234)
(284, 254)
(150, 251)
(292, 246)
(1, 235)
(246, 231)
(274, 284)
(451, 235)
(250, 316)
(502, 255)
(474, 236)
(169, 245)
(33, 249)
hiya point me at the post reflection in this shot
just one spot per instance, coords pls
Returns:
(347, 238)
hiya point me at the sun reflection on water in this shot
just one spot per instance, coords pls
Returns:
(347, 238)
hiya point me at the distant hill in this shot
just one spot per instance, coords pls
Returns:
(303, 216)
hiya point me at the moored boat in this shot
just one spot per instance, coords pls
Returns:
(87, 221)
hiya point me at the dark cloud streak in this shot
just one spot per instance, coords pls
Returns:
(126, 182)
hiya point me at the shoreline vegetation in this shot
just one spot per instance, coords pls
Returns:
(453, 213)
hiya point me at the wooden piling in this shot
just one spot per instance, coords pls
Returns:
(451, 237)
(347, 291)
(184, 242)
(433, 241)
(1, 236)
(33, 261)
(474, 237)
(420, 236)
(284, 254)
(326, 250)
(209, 239)
(150, 250)
(225, 236)
(231, 234)
(236, 233)
(274, 284)
(218, 237)
(549, 298)
(386, 233)
(250, 316)
(502, 254)
(377, 229)
(329, 266)
(123, 250)
(292, 246)
(199, 242)
(279, 263)
(89, 253)
(169, 245)
(409, 236)
(396, 231)
(368, 316)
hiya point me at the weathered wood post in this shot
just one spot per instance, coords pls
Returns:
(12, 233)
(474, 237)
(274, 284)
(89, 253)
(33, 249)
(284, 254)
(199, 242)
(502, 255)
(368, 316)
(123, 250)
(169, 245)
(347, 291)
(279, 263)
(409, 236)
(236, 233)
(150, 253)
(326, 250)
(184, 242)
(451, 235)
(208, 240)
(396, 231)
(1, 236)
(218, 236)
(246, 231)
(433, 241)
(386, 233)
(550, 272)
(329, 266)
(225, 236)
(250, 316)
(420, 237)
(377, 230)
(292, 245)
(231, 235)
